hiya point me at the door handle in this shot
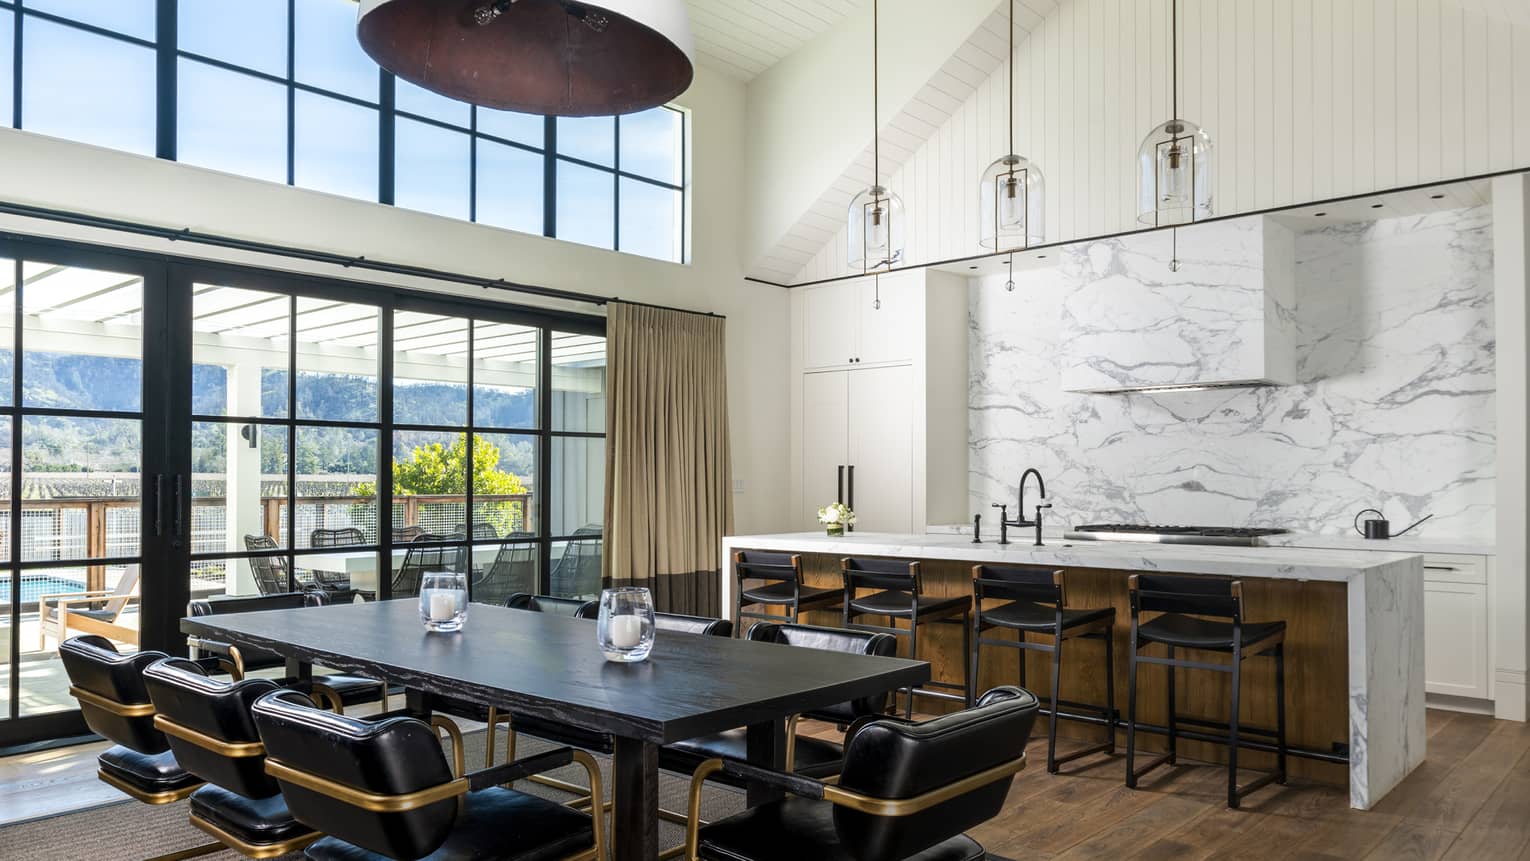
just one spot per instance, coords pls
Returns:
(850, 497)
(839, 492)
(159, 504)
(180, 519)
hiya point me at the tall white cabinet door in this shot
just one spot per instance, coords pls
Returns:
(893, 332)
(829, 337)
(825, 432)
(882, 448)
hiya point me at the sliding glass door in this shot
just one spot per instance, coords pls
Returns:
(173, 431)
(81, 371)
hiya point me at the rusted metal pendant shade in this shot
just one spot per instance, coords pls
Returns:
(551, 57)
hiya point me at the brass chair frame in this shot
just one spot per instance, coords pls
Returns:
(459, 786)
(835, 794)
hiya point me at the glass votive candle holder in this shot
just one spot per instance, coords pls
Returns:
(625, 629)
(443, 600)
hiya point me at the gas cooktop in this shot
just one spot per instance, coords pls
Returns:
(1230, 536)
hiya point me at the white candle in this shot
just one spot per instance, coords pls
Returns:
(443, 606)
(626, 631)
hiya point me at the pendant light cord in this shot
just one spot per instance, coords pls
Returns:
(1174, 60)
(1011, 79)
(876, 96)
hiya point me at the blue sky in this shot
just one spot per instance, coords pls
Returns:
(99, 90)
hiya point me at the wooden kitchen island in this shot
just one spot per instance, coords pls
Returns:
(1354, 641)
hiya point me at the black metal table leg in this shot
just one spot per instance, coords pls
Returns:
(766, 746)
(635, 801)
(299, 671)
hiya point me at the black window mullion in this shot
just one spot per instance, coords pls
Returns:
(385, 456)
(16, 83)
(616, 184)
(386, 137)
(544, 460)
(14, 658)
(291, 94)
(549, 177)
(292, 435)
(472, 211)
(166, 82)
(469, 439)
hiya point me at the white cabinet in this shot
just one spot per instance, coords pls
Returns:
(1457, 633)
(842, 325)
(879, 417)
(1456, 640)
(859, 445)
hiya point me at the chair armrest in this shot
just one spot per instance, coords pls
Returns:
(77, 597)
(796, 784)
(229, 658)
(520, 769)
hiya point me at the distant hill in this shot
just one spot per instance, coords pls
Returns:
(53, 444)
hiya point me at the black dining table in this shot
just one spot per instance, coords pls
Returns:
(548, 666)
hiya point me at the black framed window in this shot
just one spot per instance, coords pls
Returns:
(280, 90)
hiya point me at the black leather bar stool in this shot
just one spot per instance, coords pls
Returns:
(1037, 604)
(900, 595)
(782, 587)
(213, 735)
(908, 791)
(1184, 603)
(385, 787)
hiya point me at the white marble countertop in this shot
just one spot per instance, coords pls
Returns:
(1405, 544)
(1281, 563)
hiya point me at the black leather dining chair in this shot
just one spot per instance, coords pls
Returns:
(385, 789)
(548, 604)
(213, 735)
(345, 689)
(110, 690)
(909, 790)
(806, 755)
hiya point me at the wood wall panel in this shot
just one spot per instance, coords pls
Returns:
(1305, 100)
(1317, 685)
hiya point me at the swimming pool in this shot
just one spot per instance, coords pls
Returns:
(33, 585)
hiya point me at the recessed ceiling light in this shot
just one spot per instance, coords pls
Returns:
(1436, 197)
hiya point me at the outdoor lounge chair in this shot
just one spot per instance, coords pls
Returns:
(97, 611)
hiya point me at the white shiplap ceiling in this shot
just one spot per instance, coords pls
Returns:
(979, 57)
(743, 38)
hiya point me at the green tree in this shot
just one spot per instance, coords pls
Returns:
(435, 469)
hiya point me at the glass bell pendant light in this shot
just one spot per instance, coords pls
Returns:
(1175, 160)
(875, 219)
(1010, 192)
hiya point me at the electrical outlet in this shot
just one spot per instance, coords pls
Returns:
(738, 485)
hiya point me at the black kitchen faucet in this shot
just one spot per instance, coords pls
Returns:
(1021, 522)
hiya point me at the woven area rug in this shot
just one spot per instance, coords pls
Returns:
(131, 831)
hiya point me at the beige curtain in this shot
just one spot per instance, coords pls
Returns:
(669, 481)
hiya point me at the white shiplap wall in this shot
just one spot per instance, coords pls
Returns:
(1304, 99)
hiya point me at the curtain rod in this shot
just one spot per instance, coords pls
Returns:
(186, 234)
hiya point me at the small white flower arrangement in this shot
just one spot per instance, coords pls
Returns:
(835, 517)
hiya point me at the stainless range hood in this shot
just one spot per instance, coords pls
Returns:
(1223, 320)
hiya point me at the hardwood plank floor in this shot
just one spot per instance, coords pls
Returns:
(1467, 802)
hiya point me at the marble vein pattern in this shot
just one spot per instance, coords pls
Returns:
(1393, 404)
(1224, 316)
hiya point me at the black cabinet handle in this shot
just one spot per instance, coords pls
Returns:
(180, 520)
(850, 497)
(159, 504)
(839, 492)
(1441, 568)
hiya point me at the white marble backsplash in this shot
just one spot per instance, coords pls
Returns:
(1393, 406)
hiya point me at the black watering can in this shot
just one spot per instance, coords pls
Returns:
(1378, 527)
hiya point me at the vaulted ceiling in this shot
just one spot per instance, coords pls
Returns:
(743, 38)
